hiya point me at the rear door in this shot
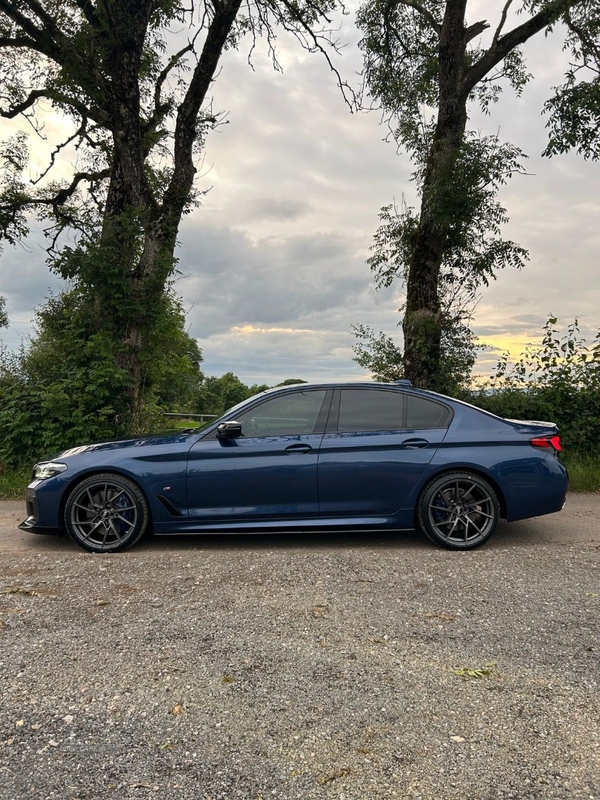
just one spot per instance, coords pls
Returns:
(376, 447)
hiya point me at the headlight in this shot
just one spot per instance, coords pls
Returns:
(48, 469)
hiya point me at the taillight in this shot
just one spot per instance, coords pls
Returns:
(547, 441)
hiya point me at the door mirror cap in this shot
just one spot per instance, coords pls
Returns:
(229, 430)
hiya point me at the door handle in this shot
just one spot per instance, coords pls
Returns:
(298, 448)
(414, 444)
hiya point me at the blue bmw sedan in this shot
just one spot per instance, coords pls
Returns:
(309, 457)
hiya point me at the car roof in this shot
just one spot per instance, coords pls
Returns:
(399, 384)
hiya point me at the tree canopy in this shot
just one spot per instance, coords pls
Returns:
(426, 66)
(135, 91)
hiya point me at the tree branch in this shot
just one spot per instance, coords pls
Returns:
(45, 18)
(475, 30)
(317, 46)
(81, 133)
(390, 30)
(97, 115)
(502, 21)
(424, 12)
(21, 107)
(60, 197)
(89, 12)
(161, 108)
(45, 42)
(17, 42)
(173, 61)
(505, 44)
(177, 194)
(584, 37)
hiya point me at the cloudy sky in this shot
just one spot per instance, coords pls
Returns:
(273, 271)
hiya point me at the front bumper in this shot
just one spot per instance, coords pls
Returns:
(32, 523)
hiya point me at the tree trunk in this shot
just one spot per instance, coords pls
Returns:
(422, 324)
(139, 230)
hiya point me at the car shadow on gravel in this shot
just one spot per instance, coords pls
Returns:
(286, 541)
(517, 534)
(506, 535)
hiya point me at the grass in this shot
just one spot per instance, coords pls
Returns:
(13, 483)
(584, 476)
(184, 424)
(584, 472)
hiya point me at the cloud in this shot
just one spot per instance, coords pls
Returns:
(275, 209)
(279, 306)
(25, 281)
(310, 354)
(276, 280)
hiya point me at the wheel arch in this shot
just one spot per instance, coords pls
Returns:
(447, 468)
(68, 491)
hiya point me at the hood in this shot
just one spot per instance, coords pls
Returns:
(152, 440)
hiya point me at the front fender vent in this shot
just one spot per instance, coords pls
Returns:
(171, 507)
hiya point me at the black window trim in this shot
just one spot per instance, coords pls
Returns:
(322, 416)
(334, 416)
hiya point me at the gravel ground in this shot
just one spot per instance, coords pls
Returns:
(349, 667)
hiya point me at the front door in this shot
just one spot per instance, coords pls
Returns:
(269, 472)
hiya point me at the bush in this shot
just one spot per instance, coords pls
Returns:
(557, 381)
(71, 384)
(43, 410)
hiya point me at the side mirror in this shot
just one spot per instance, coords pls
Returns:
(229, 430)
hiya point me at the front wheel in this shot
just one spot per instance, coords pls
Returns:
(458, 510)
(106, 513)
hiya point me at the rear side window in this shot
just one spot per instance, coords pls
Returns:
(423, 413)
(370, 410)
(383, 410)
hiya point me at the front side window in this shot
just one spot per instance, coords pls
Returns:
(292, 414)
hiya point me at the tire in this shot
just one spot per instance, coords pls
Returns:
(106, 513)
(458, 510)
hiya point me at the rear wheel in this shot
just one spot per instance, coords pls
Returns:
(458, 510)
(106, 513)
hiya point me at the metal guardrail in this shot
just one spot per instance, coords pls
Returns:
(201, 417)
